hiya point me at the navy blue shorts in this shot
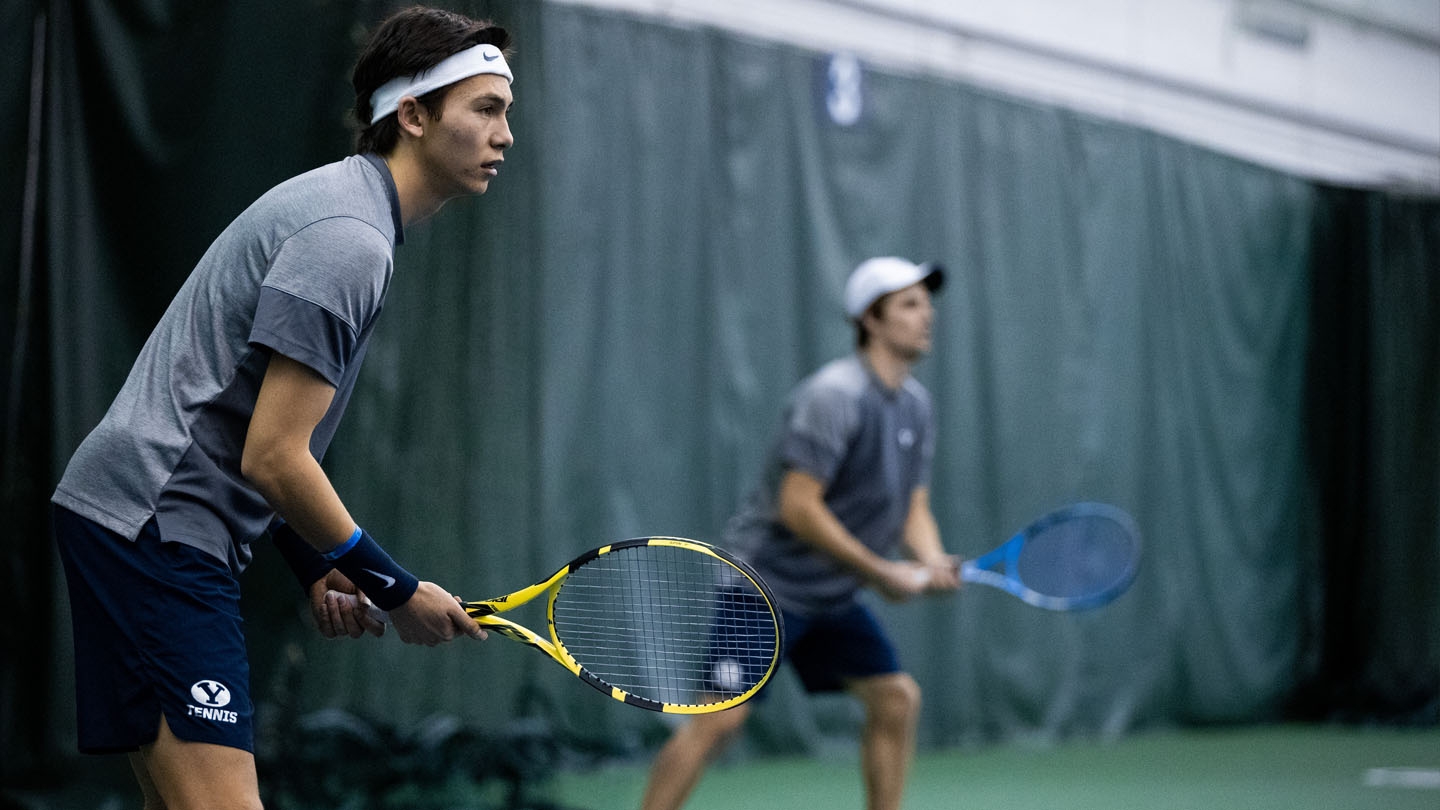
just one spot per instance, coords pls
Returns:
(830, 650)
(827, 651)
(157, 630)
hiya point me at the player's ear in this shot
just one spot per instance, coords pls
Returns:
(412, 116)
(872, 316)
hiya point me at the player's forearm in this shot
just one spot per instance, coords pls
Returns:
(804, 513)
(825, 533)
(921, 533)
(276, 459)
(921, 537)
(296, 487)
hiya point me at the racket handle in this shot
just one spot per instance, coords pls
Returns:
(375, 613)
(371, 610)
(924, 576)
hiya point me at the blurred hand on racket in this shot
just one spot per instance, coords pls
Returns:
(901, 580)
(941, 574)
(905, 579)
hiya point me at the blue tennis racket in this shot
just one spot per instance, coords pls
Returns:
(1075, 558)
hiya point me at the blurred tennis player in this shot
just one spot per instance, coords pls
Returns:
(217, 433)
(846, 485)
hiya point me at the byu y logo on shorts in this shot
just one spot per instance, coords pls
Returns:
(213, 696)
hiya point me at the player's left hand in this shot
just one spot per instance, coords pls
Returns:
(341, 617)
(901, 580)
(942, 573)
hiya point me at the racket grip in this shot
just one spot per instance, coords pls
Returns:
(371, 610)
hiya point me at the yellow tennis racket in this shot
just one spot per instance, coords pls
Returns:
(663, 623)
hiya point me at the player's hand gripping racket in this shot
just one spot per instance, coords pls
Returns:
(663, 623)
(1075, 558)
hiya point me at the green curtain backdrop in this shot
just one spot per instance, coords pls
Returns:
(599, 347)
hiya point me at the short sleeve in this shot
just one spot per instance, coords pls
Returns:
(324, 285)
(818, 427)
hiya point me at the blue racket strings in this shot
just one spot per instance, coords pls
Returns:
(1084, 555)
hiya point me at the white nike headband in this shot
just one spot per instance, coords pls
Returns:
(469, 62)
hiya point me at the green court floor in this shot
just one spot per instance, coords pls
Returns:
(1255, 768)
(1270, 768)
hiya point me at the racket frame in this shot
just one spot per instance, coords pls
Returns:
(484, 613)
(998, 567)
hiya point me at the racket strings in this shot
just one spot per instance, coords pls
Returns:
(666, 623)
(1077, 557)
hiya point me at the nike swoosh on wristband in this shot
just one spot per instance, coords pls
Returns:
(387, 580)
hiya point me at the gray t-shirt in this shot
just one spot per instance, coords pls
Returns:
(303, 272)
(872, 447)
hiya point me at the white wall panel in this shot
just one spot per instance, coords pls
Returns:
(1345, 91)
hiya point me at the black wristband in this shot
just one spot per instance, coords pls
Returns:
(368, 566)
(308, 564)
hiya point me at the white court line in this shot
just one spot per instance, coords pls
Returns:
(1421, 778)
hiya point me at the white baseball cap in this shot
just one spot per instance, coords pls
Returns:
(886, 274)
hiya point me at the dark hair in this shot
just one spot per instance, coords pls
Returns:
(862, 335)
(408, 42)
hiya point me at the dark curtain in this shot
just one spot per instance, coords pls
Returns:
(25, 592)
(1374, 422)
(599, 347)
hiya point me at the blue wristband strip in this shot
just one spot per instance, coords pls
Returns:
(339, 551)
(368, 566)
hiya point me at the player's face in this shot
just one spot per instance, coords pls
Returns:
(465, 146)
(903, 321)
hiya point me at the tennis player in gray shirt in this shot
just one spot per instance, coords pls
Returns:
(217, 435)
(845, 487)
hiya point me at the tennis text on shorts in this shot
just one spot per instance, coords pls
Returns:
(215, 696)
